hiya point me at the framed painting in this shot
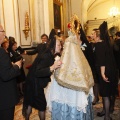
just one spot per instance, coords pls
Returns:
(58, 15)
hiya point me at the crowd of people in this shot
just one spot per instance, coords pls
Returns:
(78, 72)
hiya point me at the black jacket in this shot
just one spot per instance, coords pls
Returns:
(8, 86)
(38, 76)
(116, 50)
(16, 56)
(38, 49)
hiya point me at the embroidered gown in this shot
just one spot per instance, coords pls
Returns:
(67, 103)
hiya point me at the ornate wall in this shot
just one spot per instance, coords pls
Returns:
(12, 17)
(9, 18)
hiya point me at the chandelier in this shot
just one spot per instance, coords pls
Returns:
(114, 11)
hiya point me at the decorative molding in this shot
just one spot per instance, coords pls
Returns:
(19, 20)
(14, 18)
(99, 21)
(3, 15)
(9, 17)
(30, 17)
(24, 6)
(38, 27)
(32, 22)
(51, 16)
(69, 9)
(27, 28)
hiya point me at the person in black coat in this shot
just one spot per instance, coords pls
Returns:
(39, 47)
(44, 39)
(15, 55)
(5, 44)
(8, 86)
(38, 78)
(116, 51)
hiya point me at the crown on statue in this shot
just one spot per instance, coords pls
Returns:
(74, 24)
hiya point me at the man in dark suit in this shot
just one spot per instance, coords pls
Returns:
(40, 46)
(8, 86)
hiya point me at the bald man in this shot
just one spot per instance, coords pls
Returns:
(8, 87)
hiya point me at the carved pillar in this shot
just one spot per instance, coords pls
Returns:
(47, 16)
(84, 12)
(1, 13)
(39, 19)
(69, 9)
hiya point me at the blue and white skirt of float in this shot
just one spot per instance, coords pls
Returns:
(68, 104)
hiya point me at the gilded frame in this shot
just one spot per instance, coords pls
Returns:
(58, 14)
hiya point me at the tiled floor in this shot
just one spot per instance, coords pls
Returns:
(97, 108)
(115, 115)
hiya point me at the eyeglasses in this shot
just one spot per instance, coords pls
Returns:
(2, 31)
(44, 38)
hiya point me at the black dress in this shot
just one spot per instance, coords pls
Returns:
(37, 79)
(104, 57)
(116, 50)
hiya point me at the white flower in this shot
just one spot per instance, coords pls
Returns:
(93, 49)
(57, 58)
(83, 46)
(11, 55)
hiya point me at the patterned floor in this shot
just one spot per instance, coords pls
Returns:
(97, 108)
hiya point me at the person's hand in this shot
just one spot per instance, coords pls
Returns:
(19, 63)
(57, 64)
(105, 78)
(25, 53)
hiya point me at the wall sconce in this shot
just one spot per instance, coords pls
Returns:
(27, 29)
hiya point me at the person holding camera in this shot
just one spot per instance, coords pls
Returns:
(15, 55)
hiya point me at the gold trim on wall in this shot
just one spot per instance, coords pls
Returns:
(27, 28)
(30, 18)
(20, 27)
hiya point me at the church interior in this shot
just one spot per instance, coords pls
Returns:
(27, 20)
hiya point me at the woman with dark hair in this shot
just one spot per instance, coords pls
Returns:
(15, 55)
(52, 34)
(38, 77)
(5, 44)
